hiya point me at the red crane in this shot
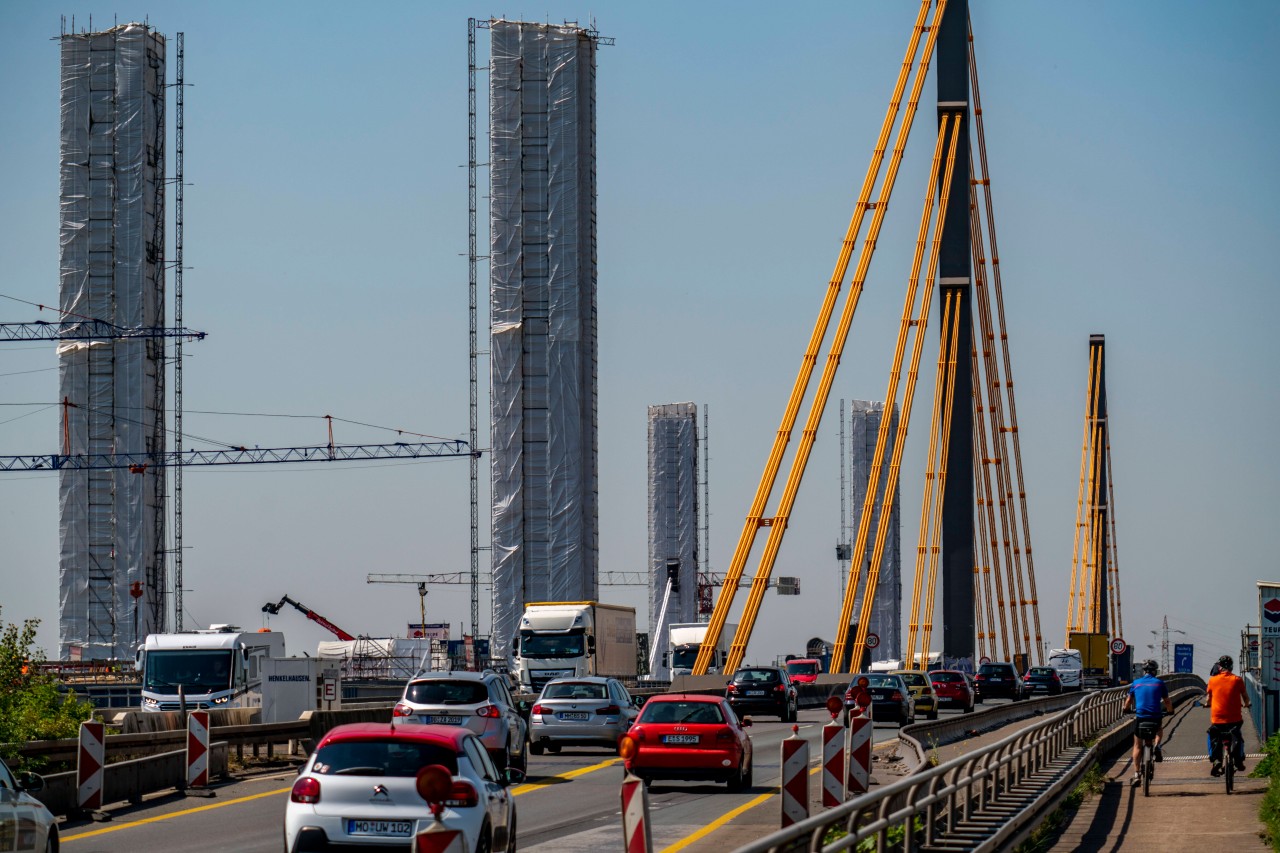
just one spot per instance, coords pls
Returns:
(274, 609)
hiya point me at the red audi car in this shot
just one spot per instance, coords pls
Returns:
(688, 736)
(953, 688)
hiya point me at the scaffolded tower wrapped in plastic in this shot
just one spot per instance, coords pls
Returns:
(112, 269)
(673, 521)
(886, 614)
(543, 318)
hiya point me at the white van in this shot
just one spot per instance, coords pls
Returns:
(1068, 664)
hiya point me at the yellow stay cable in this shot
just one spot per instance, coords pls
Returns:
(754, 519)
(1118, 616)
(1074, 610)
(983, 479)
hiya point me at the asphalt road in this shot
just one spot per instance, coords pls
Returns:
(570, 802)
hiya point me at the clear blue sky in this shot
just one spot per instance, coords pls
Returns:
(1133, 160)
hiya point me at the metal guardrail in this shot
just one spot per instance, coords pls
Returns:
(994, 795)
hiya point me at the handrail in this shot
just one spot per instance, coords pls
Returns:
(939, 798)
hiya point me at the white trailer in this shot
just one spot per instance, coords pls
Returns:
(221, 667)
(561, 639)
(685, 641)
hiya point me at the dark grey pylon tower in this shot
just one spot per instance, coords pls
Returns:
(954, 273)
(1101, 490)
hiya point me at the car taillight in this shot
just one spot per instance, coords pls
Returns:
(490, 711)
(777, 688)
(463, 795)
(848, 695)
(731, 688)
(306, 790)
(401, 710)
(609, 709)
(897, 696)
(725, 734)
(537, 710)
(635, 733)
(1026, 677)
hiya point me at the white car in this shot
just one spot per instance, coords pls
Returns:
(359, 787)
(23, 818)
(478, 701)
(587, 711)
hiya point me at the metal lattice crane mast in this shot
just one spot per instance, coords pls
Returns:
(421, 582)
(755, 518)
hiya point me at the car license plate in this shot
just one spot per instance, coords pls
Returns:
(574, 715)
(755, 692)
(383, 828)
(679, 738)
(440, 719)
(996, 678)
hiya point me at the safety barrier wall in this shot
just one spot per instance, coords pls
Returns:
(936, 800)
(1264, 706)
(130, 780)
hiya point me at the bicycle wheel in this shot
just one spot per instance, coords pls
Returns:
(1148, 768)
(1229, 766)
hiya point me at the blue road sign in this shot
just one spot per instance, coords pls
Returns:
(1182, 654)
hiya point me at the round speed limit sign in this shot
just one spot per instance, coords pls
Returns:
(873, 640)
(1118, 646)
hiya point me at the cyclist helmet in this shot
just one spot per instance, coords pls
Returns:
(1225, 662)
(1150, 667)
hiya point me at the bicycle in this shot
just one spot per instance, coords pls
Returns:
(1225, 736)
(1146, 731)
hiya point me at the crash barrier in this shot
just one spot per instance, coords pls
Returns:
(128, 780)
(795, 778)
(635, 816)
(991, 798)
(437, 838)
(198, 749)
(858, 749)
(90, 757)
(832, 765)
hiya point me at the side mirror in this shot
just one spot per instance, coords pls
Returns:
(515, 645)
(591, 644)
(638, 701)
(664, 658)
(30, 782)
(746, 722)
(139, 659)
(513, 776)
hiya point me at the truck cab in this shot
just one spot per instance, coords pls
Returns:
(571, 639)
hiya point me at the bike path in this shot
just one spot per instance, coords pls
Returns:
(1188, 809)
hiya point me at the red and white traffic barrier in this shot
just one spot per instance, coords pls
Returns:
(198, 749)
(635, 816)
(832, 765)
(436, 838)
(89, 760)
(795, 778)
(859, 752)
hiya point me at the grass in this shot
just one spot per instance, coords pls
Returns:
(1269, 811)
(1044, 835)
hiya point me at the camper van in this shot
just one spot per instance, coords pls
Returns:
(221, 667)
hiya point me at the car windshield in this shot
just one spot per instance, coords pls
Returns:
(1042, 670)
(878, 680)
(575, 690)
(802, 668)
(755, 676)
(443, 692)
(947, 676)
(551, 645)
(381, 758)
(914, 679)
(994, 669)
(681, 712)
(194, 671)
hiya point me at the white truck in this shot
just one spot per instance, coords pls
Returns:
(1069, 666)
(222, 667)
(561, 639)
(684, 641)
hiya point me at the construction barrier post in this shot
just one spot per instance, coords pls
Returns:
(197, 775)
(635, 815)
(859, 752)
(89, 760)
(833, 771)
(795, 778)
(436, 838)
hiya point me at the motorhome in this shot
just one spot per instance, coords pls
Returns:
(221, 667)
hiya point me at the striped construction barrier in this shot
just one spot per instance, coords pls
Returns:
(795, 778)
(635, 815)
(198, 749)
(858, 749)
(438, 839)
(89, 761)
(832, 765)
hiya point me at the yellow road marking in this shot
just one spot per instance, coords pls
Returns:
(159, 818)
(719, 822)
(581, 771)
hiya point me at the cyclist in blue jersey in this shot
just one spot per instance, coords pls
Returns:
(1149, 700)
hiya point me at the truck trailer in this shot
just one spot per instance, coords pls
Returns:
(1095, 657)
(563, 639)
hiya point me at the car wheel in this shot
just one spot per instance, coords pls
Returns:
(968, 709)
(933, 715)
(519, 762)
(738, 780)
(51, 843)
(535, 748)
(499, 760)
(554, 748)
(484, 844)
(795, 712)
(511, 830)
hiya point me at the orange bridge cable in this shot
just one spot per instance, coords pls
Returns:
(895, 463)
(986, 556)
(984, 483)
(920, 591)
(1091, 512)
(882, 435)
(1004, 338)
(981, 569)
(1099, 536)
(754, 518)
(1079, 582)
(947, 378)
(1115, 551)
(876, 469)
(995, 413)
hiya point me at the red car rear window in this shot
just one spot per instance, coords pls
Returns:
(381, 758)
(681, 712)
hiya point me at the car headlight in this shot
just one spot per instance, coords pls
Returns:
(222, 700)
(148, 702)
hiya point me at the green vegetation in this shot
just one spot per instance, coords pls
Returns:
(1269, 768)
(894, 837)
(31, 708)
(1044, 835)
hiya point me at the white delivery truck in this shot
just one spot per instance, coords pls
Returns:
(1069, 666)
(221, 667)
(684, 641)
(561, 639)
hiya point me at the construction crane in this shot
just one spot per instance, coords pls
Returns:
(421, 581)
(274, 610)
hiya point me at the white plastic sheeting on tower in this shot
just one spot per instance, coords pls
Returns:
(673, 521)
(886, 613)
(112, 269)
(543, 319)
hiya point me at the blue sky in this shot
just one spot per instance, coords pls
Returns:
(1132, 154)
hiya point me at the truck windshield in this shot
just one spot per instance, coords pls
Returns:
(685, 657)
(805, 668)
(533, 645)
(195, 671)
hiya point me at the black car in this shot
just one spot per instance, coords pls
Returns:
(763, 690)
(998, 679)
(1044, 678)
(890, 698)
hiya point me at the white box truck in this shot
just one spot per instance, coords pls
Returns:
(561, 639)
(1069, 666)
(684, 641)
(221, 667)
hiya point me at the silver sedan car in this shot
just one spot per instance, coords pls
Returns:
(25, 823)
(586, 711)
